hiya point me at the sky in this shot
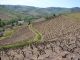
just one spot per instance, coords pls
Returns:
(43, 3)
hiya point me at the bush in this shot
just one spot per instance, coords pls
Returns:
(50, 16)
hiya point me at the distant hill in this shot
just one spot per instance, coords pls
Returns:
(7, 14)
(30, 12)
(38, 11)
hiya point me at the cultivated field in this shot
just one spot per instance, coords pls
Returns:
(60, 41)
(56, 27)
(22, 35)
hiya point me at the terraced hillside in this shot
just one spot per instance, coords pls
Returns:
(22, 35)
(62, 32)
(6, 14)
(57, 27)
(60, 41)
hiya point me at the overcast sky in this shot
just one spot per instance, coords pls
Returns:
(43, 3)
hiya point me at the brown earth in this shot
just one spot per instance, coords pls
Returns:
(61, 41)
(22, 35)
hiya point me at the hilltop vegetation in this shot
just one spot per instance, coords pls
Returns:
(75, 15)
(6, 14)
(28, 13)
(36, 12)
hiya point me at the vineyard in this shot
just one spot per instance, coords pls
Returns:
(60, 40)
(57, 27)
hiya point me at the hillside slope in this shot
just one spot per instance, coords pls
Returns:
(6, 14)
(23, 34)
(60, 40)
(39, 12)
(56, 27)
(61, 35)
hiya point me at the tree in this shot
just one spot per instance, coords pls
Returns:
(0, 23)
(29, 22)
(54, 15)
(12, 23)
(16, 22)
(3, 28)
(3, 24)
(20, 24)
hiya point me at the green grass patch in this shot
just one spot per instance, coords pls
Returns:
(10, 32)
(39, 37)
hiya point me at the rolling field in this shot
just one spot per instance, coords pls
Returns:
(56, 27)
(60, 40)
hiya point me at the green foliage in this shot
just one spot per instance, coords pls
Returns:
(12, 22)
(3, 28)
(0, 23)
(6, 22)
(39, 37)
(3, 24)
(29, 18)
(29, 22)
(16, 22)
(50, 16)
(9, 33)
(19, 24)
(9, 22)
